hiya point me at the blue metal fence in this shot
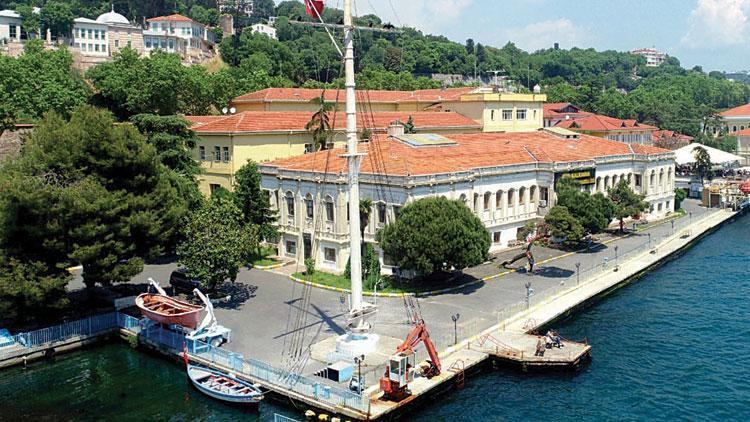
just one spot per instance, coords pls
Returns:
(83, 328)
(263, 371)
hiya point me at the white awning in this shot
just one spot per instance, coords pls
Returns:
(686, 155)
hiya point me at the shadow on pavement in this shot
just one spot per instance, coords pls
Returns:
(553, 272)
(233, 295)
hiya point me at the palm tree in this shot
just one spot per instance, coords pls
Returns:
(703, 165)
(320, 123)
(365, 208)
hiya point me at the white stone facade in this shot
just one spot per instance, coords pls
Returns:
(505, 198)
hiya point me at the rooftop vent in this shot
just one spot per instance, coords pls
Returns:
(561, 133)
(395, 129)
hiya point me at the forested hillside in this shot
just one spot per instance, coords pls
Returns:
(614, 83)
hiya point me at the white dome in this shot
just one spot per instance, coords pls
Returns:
(113, 17)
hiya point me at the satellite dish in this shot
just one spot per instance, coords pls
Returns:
(232, 110)
(224, 110)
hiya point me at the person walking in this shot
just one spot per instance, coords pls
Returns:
(540, 347)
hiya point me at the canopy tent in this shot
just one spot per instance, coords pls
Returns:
(686, 155)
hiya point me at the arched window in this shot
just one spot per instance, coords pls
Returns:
(512, 198)
(532, 195)
(669, 177)
(498, 200)
(290, 204)
(614, 180)
(476, 202)
(487, 200)
(599, 184)
(606, 182)
(522, 195)
(652, 178)
(309, 206)
(329, 208)
(661, 177)
(462, 198)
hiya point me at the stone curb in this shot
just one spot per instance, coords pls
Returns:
(271, 267)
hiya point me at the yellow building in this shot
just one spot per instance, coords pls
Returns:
(228, 142)
(499, 111)
(302, 99)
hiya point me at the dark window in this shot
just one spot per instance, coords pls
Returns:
(13, 33)
(329, 209)
(309, 207)
(202, 153)
(214, 187)
(290, 204)
(496, 237)
(226, 154)
(381, 213)
(329, 254)
(217, 154)
(396, 211)
(291, 247)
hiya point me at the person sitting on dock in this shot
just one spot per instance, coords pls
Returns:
(540, 347)
(554, 338)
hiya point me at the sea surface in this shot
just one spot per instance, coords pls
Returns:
(675, 345)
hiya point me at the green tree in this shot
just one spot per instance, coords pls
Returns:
(679, 196)
(320, 123)
(370, 266)
(57, 17)
(37, 82)
(435, 234)
(564, 226)
(30, 290)
(30, 21)
(594, 212)
(173, 140)
(703, 168)
(216, 243)
(627, 203)
(365, 209)
(84, 191)
(253, 201)
(207, 16)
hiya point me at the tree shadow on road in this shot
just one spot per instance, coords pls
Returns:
(233, 295)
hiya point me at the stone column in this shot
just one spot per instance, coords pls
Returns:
(493, 205)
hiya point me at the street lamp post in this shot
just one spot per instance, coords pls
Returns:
(649, 240)
(672, 226)
(690, 217)
(578, 273)
(358, 360)
(529, 292)
(616, 262)
(455, 327)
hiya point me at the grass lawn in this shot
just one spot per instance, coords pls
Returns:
(390, 284)
(263, 258)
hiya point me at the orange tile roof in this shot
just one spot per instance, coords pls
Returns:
(470, 151)
(600, 123)
(175, 18)
(375, 96)
(743, 110)
(659, 134)
(285, 121)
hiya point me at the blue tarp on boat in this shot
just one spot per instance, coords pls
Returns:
(6, 339)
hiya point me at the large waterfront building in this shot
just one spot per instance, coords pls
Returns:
(507, 179)
(227, 142)
(743, 145)
(735, 119)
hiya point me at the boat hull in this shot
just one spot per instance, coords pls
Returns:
(199, 375)
(167, 310)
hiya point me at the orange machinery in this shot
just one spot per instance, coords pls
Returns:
(400, 368)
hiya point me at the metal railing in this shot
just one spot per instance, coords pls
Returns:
(82, 329)
(271, 375)
(612, 260)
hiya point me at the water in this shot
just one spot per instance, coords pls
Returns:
(672, 346)
(112, 382)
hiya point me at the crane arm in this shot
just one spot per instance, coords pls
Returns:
(420, 334)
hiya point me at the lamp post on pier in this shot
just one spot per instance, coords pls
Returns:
(578, 273)
(358, 360)
(649, 240)
(616, 248)
(455, 318)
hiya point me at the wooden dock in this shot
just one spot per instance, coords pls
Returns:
(520, 349)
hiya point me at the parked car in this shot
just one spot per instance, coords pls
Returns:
(181, 283)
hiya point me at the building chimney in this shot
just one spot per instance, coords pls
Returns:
(395, 129)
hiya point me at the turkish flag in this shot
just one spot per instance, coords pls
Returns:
(314, 7)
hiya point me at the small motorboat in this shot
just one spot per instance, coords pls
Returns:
(161, 308)
(224, 387)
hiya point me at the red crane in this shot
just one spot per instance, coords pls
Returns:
(398, 371)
